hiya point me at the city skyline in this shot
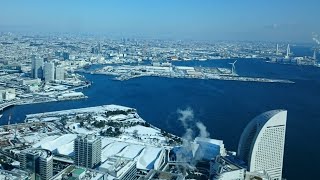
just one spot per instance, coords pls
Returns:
(209, 20)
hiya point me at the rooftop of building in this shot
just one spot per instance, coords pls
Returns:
(15, 174)
(43, 153)
(73, 172)
(116, 166)
(159, 175)
(78, 171)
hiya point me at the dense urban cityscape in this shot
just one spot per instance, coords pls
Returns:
(114, 141)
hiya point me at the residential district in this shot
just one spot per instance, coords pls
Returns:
(113, 142)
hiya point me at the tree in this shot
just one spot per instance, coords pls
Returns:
(63, 120)
(146, 124)
(99, 124)
(135, 133)
(81, 124)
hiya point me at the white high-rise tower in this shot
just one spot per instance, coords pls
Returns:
(87, 151)
(60, 72)
(277, 52)
(262, 143)
(49, 71)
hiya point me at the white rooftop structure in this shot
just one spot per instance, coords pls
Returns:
(147, 159)
(57, 144)
(112, 149)
(131, 151)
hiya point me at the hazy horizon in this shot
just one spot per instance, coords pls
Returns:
(249, 20)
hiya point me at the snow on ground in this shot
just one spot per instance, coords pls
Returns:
(58, 142)
(50, 119)
(148, 157)
(147, 135)
(99, 118)
(91, 110)
(75, 127)
(119, 117)
(112, 149)
(142, 130)
(131, 151)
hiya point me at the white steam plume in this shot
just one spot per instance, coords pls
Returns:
(202, 130)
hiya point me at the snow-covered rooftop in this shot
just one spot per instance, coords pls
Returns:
(148, 157)
(112, 149)
(131, 151)
(59, 142)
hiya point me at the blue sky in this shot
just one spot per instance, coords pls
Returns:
(275, 20)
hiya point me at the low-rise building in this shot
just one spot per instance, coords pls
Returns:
(14, 174)
(7, 94)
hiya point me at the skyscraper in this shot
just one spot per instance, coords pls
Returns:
(49, 71)
(262, 143)
(87, 151)
(37, 67)
(37, 161)
(60, 72)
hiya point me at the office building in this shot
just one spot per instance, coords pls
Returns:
(37, 67)
(37, 161)
(49, 71)
(119, 168)
(87, 151)
(262, 143)
(60, 72)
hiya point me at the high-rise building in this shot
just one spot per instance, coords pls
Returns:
(38, 161)
(65, 55)
(37, 68)
(60, 72)
(262, 143)
(49, 71)
(87, 151)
